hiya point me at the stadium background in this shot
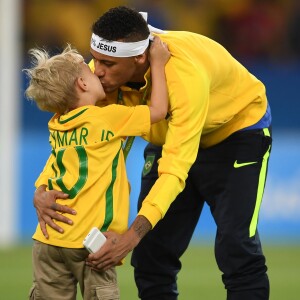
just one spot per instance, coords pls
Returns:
(263, 34)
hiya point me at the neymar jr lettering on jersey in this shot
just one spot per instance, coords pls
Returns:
(68, 138)
(77, 136)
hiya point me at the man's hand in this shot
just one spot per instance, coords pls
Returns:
(117, 246)
(47, 209)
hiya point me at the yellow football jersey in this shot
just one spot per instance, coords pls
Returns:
(87, 163)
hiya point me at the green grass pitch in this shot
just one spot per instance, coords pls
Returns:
(199, 278)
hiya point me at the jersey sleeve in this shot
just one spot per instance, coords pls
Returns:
(129, 121)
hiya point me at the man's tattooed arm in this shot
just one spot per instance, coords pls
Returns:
(141, 226)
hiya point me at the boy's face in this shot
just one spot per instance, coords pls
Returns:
(93, 82)
(114, 72)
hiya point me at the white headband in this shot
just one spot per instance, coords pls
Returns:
(122, 49)
(118, 49)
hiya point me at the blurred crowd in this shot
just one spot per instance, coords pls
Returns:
(266, 30)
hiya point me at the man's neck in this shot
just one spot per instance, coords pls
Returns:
(135, 85)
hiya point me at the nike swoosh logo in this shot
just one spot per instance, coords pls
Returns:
(239, 165)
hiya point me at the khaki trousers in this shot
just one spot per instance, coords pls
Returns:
(57, 271)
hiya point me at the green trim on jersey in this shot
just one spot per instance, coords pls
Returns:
(109, 207)
(83, 172)
(71, 118)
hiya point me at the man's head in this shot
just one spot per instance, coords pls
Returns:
(57, 82)
(119, 46)
(121, 24)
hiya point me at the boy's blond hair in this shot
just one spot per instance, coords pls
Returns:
(52, 79)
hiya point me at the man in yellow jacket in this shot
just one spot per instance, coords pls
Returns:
(216, 145)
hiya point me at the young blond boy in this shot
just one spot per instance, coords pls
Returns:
(87, 163)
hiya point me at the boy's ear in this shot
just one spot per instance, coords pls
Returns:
(81, 83)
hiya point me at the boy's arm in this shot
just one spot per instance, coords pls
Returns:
(159, 56)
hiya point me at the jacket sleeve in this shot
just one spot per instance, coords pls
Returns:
(188, 109)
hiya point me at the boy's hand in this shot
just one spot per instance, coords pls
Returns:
(159, 52)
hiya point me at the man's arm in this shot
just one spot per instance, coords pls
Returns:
(118, 246)
(47, 209)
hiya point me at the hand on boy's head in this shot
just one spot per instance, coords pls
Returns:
(159, 52)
